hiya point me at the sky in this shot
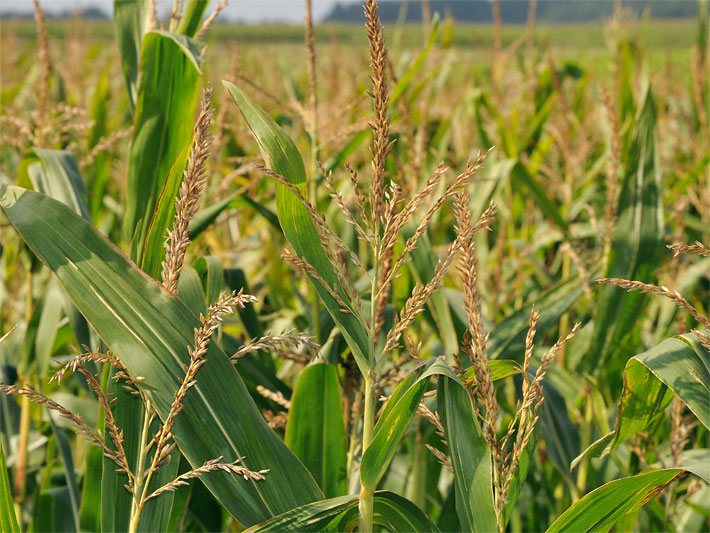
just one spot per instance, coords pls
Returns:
(237, 10)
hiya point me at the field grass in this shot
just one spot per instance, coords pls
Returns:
(652, 33)
(412, 278)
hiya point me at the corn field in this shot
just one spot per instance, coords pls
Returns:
(374, 285)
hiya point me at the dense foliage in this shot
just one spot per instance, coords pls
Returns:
(352, 285)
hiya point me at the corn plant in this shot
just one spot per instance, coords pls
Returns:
(472, 304)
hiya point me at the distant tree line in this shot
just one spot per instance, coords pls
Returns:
(514, 11)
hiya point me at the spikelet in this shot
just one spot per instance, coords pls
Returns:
(187, 203)
(274, 396)
(213, 465)
(673, 296)
(380, 96)
(203, 334)
(468, 270)
(682, 248)
(288, 342)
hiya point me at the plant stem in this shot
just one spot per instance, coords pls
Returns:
(21, 472)
(367, 497)
(140, 488)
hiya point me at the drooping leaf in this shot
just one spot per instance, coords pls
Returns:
(677, 366)
(149, 331)
(281, 156)
(601, 508)
(391, 511)
(500, 369)
(56, 174)
(315, 430)
(394, 421)
(310, 517)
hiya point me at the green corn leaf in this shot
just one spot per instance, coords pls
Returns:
(52, 312)
(130, 20)
(600, 509)
(281, 156)
(508, 338)
(683, 365)
(150, 331)
(394, 421)
(520, 476)
(677, 366)
(562, 442)
(90, 508)
(470, 456)
(116, 501)
(192, 17)
(206, 216)
(390, 428)
(315, 431)
(500, 369)
(168, 93)
(56, 174)
(310, 517)
(168, 90)
(69, 473)
(8, 520)
(391, 511)
(637, 240)
(521, 176)
(406, 78)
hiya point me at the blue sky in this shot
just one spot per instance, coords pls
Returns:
(239, 10)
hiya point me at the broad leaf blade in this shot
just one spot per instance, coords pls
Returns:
(315, 430)
(168, 93)
(677, 365)
(470, 456)
(149, 331)
(130, 20)
(601, 508)
(637, 240)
